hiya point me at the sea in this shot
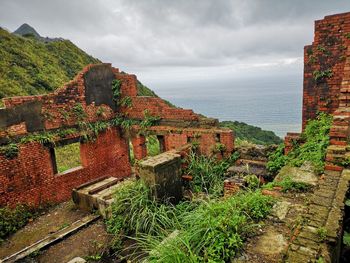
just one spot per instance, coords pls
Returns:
(270, 102)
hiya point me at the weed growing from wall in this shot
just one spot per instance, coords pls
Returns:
(10, 151)
(116, 85)
(316, 137)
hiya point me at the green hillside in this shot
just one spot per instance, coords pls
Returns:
(251, 133)
(30, 67)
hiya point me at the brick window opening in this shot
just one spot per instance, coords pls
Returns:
(153, 145)
(66, 157)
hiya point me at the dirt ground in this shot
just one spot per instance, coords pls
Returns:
(87, 241)
(90, 241)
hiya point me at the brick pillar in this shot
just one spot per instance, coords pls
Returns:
(139, 145)
(289, 140)
(227, 138)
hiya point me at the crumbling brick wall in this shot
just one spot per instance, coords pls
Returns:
(331, 95)
(324, 62)
(30, 176)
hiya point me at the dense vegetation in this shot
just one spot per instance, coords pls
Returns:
(211, 230)
(253, 134)
(13, 219)
(315, 140)
(29, 66)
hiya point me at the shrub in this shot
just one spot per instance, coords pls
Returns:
(277, 160)
(316, 137)
(288, 185)
(13, 219)
(10, 151)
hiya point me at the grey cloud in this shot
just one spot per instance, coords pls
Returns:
(146, 35)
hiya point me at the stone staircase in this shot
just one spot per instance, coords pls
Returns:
(97, 195)
(326, 209)
(252, 160)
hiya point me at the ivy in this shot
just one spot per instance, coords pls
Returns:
(116, 85)
(126, 102)
(44, 138)
(323, 50)
(322, 74)
(100, 111)
(10, 151)
(149, 120)
(91, 130)
(87, 131)
(312, 59)
(79, 112)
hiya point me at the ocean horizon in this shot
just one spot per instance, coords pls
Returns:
(270, 102)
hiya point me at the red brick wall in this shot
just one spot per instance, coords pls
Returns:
(289, 141)
(328, 51)
(175, 138)
(30, 179)
(139, 147)
(157, 107)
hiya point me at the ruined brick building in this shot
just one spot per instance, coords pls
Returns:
(326, 89)
(33, 126)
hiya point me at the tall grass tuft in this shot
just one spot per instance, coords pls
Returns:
(211, 230)
(208, 173)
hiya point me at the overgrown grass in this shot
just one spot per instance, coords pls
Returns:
(202, 231)
(316, 138)
(208, 173)
(134, 211)
(288, 185)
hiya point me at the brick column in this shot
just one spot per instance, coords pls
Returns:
(139, 144)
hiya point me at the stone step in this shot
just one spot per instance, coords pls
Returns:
(97, 195)
(252, 163)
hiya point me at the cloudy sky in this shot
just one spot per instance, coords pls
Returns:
(158, 39)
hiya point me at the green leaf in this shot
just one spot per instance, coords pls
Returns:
(347, 202)
(346, 239)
